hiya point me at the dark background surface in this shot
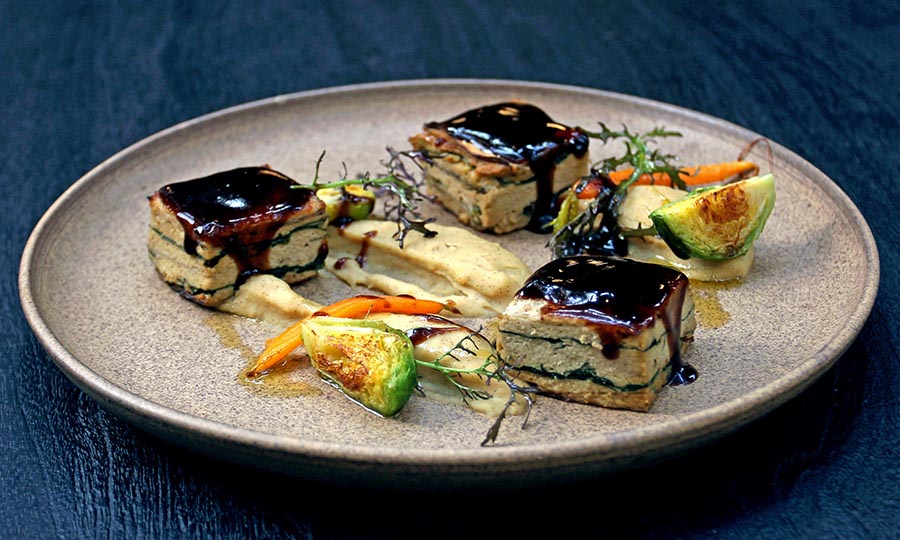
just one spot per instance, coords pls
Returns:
(82, 81)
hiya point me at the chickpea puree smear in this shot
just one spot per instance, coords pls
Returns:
(477, 276)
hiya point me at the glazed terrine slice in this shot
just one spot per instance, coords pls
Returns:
(208, 235)
(600, 330)
(498, 168)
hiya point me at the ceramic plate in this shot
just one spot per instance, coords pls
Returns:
(170, 367)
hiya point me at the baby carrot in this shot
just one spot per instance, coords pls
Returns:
(696, 176)
(590, 189)
(360, 306)
(279, 347)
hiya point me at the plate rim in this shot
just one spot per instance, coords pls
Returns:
(689, 429)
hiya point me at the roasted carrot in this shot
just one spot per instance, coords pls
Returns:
(695, 176)
(589, 190)
(277, 349)
(360, 306)
(354, 307)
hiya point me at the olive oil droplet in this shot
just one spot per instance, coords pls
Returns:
(279, 382)
(710, 311)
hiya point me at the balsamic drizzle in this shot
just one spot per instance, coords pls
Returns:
(597, 231)
(238, 211)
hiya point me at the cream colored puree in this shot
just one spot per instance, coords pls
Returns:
(478, 277)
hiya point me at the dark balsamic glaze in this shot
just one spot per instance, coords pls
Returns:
(604, 238)
(421, 334)
(341, 221)
(520, 133)
(424, 333)
(364, 247)
(238, 211)
(617, 298)
(363, 254)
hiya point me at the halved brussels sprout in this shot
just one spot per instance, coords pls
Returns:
(717, 223)
(352, 202)
(368, 360)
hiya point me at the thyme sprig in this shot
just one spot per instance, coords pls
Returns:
(493, 368)
(402, 186)
(596, 228)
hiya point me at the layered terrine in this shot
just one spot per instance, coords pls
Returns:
(600, 330)
(209, 234)
(498, 168)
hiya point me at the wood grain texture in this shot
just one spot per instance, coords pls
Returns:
(84, 80)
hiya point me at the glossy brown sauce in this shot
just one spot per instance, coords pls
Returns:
(617, 298)
(520, 133)
(363, 254)
(419, 335)
(238, 211)
(364, 247)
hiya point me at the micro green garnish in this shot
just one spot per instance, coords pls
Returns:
(597, 228)
(492, 369)
(638, 155)
(402, 186)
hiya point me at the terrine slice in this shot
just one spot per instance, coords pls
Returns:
(499, 167)
(209, 234)
(600, 330)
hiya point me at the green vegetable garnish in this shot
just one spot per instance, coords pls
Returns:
(369, 361)
(717, 223)
(350, 202)
(638, 155)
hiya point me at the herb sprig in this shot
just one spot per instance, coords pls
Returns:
(491, 369)
(402, 186)
(638, 155)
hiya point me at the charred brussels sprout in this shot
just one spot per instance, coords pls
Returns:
(717, 223)
(351, 202)
(368, 360)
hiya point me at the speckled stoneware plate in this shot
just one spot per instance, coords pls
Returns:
(170, 367)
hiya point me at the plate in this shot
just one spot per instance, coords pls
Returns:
(170, 367)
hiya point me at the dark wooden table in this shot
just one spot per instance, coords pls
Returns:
(83, 80)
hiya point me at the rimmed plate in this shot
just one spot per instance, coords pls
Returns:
(96, 305)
